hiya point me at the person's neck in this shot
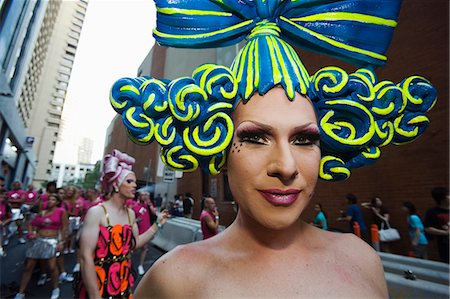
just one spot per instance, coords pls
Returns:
(117, 201)
(262, 236)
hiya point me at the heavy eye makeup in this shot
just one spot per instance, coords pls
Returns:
(129, 181)
(261, 134)
(306, 136)
(252, 133)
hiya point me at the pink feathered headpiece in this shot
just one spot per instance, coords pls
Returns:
(116, 167)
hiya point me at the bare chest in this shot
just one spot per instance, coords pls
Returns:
(286, 279)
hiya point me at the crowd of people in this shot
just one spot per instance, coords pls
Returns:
(49, 224)
(435, 225)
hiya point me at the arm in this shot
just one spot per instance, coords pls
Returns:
(212, 224)
(366, 205)
(384, 217)
(63, 231)
(88, 242)
(436, 231)
(415, 240)
(143, 239)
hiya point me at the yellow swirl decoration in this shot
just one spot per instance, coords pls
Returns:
(358, 115)
(218, 130)
(185, 98)
(178, 159)
(333, 169)
(330, 81)
(217, 162)
(165, 131)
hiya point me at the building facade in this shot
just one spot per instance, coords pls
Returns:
(405, 173)
(39, 41)
(66, 174)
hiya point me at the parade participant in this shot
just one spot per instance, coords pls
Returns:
(321, 219)
(16, 199)
(144, 209)
(49, 225)
(276, 129)
(5, 218)
(30, 200)
(209, 218)
(74, 209)
(110, 234)
(43, 198)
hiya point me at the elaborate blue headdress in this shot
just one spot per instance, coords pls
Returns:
(190, 117)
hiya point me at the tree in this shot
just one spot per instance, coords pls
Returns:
(91, 178)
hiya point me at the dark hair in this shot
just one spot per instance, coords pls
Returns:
(351, 198)
(320, 206)
(411, 207)
(373, 201)
(52, 183)
(439, 194)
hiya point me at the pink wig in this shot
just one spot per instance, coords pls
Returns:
(116, 167)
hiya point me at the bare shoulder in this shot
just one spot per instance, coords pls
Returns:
(361, 258)
(177, 274)
(94, 214)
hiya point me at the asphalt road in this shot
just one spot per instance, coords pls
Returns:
(11, 267)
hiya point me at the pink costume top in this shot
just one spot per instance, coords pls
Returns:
(143, 213)
(51, 221)
(30, 197)
(15, 197)
(206, 231)
(73, 209)
(44, 200)
(5, 211)
(87, 204)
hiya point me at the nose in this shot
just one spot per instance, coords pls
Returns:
(282, 163)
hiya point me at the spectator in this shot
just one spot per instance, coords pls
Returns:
(437, 221)
(158, 202)
(353, 215)
(188, 205)
(321, 218)
(416, 231)
(380, 217)
(209, 218)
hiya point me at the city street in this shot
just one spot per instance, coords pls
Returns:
(12, 264)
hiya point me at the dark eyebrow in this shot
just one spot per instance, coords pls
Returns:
(262, 126)
(309, 126)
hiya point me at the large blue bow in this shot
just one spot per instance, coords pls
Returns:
(357, 31)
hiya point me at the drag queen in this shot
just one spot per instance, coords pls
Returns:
(276, 130)
(110, 234)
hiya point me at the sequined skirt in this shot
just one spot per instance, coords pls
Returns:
(42, 248)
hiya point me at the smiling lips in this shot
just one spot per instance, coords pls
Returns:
(280, 197)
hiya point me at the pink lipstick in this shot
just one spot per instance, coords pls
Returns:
(279, 197)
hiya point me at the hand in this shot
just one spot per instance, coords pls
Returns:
(60, 247)
(31, 236)
(215, 212)
(163, 216)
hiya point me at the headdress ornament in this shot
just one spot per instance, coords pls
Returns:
(116, 167)
(190, 117)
